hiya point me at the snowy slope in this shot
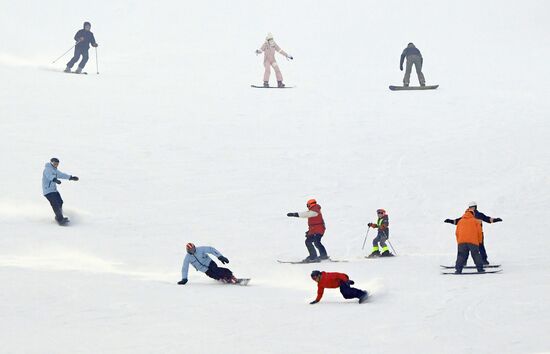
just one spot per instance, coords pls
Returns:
(172, 146)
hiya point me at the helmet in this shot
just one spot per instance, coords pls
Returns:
(315, 274)
(269, 36)
(472, 205)
(54, 159)
(190, 248)
(381, 211)
(311, 202)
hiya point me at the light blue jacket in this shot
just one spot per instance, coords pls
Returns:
(50, 172)
(200, 260)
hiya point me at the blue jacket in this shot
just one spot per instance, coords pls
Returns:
(50, 172)
(200, 260)
(88, 38)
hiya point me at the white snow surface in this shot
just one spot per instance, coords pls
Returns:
(173, 146)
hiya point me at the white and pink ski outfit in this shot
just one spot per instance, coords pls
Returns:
(269, 48)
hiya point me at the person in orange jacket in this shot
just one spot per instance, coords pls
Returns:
(337, 280)
(316, 230)
(468, 238)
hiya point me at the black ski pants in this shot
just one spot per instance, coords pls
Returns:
(57, 204)
(77, 53)
(350, 293)
(218, 273)
(482, 251)
(463, 250)
(313, 241)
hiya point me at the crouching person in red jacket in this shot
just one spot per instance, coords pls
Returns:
(337, 280)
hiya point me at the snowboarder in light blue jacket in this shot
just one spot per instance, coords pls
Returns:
(198, 257)
(50, 179)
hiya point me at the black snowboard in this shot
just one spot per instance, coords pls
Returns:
(473, 267)
(272, 87)
(413, 88)
(473, 273)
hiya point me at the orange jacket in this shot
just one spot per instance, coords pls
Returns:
(468, 229)
(331, 281)
(316, 224)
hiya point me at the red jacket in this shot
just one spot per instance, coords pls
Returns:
(331, 281)
(316, 224)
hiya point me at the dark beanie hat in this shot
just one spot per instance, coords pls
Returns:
(87, 24)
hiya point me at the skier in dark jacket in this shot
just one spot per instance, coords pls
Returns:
(383, 226)
(480, 216)
(50, 179)
(413, 56)
(83, 40)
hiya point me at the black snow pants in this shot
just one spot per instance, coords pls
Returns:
(312, 240)
(350, 293)
(57, 204)
(77, 53)
(218, 273)
(463, 250)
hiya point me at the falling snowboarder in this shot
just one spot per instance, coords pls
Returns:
(83, 38)
(198, 257)
(472, 206)
(336, 280)
(50, 179)
(383, 226)
(316, 230)
(269, 48)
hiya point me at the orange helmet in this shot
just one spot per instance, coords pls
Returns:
(311, 202)
(190, 248)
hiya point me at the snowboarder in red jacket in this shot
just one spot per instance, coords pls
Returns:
(337, 280)
(316, 230)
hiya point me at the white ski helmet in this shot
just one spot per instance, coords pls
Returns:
(472, 204)
(269, 36)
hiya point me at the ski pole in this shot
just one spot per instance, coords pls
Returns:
(393, 249)
(53, 62)
(364, 242)
(96, 63)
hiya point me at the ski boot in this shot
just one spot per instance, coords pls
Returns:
(386, 253)
(481, 270)
(78, 70)
(324, 257)
(458, 271)
(422, 84)
(62, 222)
(405, 85)
(266, 83)
(280, 84)
(310, 259)
(364, 297)
(374, 254)
(67, 70)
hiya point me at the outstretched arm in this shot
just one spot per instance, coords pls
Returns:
(213, 251)
(403, 55)
(185, 267)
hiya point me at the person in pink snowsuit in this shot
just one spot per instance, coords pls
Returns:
(269, 48)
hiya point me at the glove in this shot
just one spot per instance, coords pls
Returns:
(94, 45)
(258, 51)
(182, 282)
(223, 259)
(449, 221)
(56, 181)
(497, 220)
(401, 68)
(292, 215)
(73, 178)
(351, 282)
(370, 224)
(290, 57)
(313, 302)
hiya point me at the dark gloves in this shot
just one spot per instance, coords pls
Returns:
(290, 57)
(94, 45)
(497, 220)
(292, 215)
(351, 282)
(449, 221)
(223, 259)
(313, 302)
(401, 67)
(182, 282)
(73, 178)
(56, 181)
(370, 224)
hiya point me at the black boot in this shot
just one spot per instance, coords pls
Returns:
(266, 83)
(280, 84)
(374, 254)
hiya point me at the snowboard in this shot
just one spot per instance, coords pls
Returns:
(473, 267)
(313, 262)
(364, 298)
(271, 87)
(413, 88)
(473, 273)
(242, 281)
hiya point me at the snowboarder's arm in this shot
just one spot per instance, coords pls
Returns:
(403, 55)
(282, 52)
(185, 267)
(61, 175)
(479, 215)
(320, 291)
(307, 214)
(213, 251)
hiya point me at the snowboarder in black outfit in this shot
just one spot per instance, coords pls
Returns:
(480, 216)
(413, 56)
(50, 179)
(83, 38)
